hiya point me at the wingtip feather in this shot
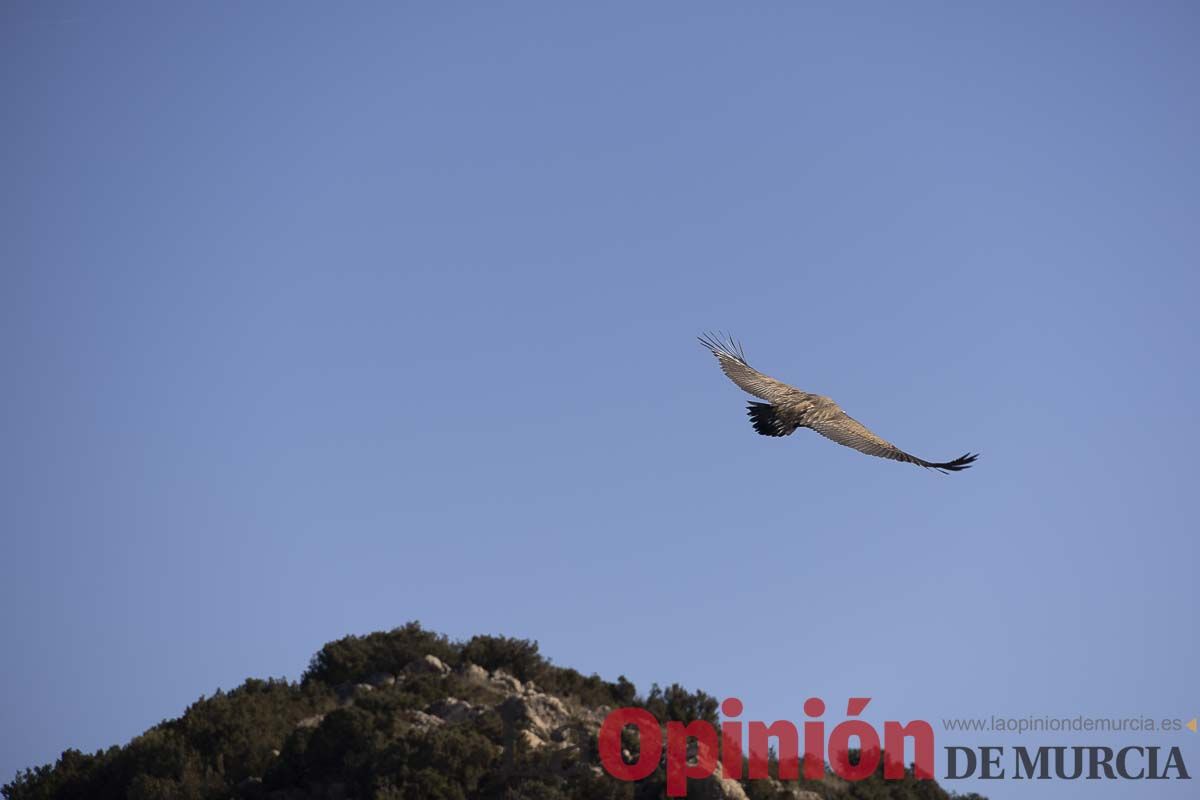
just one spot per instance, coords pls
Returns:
(957, 465)
(723, 345)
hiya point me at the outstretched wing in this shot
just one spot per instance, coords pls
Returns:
(845, 429)
(733, 363)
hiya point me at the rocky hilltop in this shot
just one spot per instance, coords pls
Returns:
(410, 714)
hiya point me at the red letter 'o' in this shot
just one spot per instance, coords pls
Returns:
(649, 738)
(839, 750)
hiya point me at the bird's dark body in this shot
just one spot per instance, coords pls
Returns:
(789, 408)
(766, 420)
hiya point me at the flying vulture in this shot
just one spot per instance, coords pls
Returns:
(787, 408)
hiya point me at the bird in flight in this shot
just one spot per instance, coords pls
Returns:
(788, 408)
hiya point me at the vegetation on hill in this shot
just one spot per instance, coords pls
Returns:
(405, 714)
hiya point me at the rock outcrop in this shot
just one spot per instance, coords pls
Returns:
(427, 665)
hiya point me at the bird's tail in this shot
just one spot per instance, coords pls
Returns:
(765, 420)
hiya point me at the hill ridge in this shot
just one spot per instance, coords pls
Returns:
(408, 713)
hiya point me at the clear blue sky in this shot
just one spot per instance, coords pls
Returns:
(317, 320)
